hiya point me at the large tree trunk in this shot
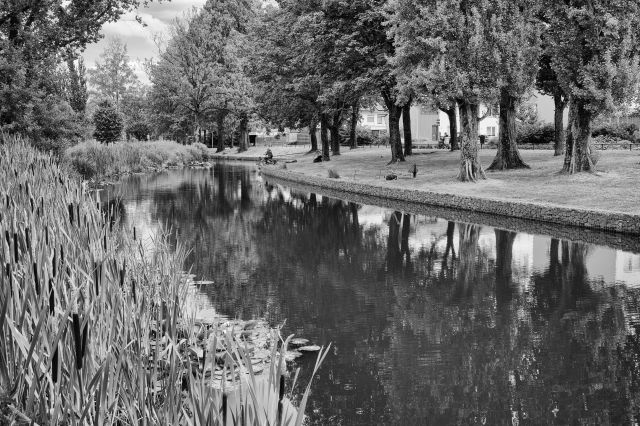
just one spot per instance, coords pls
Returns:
(243, 145)
(394, 133)
(394, 127)
(568, 149)
(353, 136)
(470, 167)
(334, 129)
(324, 128)
(406, 124)
(578, 151)
(452, 115)
(558, 119)
(313, 128)
(220, 123)
(508, 156)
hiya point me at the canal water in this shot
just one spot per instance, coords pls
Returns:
(431, 321)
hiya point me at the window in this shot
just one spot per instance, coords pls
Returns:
(375, 133)
(380, 119)
(491, 131)
(370, 119)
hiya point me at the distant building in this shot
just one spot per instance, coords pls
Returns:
(428, 124)
(375, 119)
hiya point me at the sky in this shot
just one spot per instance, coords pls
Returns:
(139, 38)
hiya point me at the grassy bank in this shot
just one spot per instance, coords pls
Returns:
(93, 327)
(98, 161)
(613, 188)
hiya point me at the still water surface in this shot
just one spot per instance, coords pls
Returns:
(431, 321)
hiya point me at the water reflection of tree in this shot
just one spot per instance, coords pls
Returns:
(331, 272)
(432, 335)
(212, 212)
(490, 351)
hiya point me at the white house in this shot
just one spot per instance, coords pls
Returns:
(428, 124)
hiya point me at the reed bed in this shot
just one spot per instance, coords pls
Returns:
(93, 327)
(94, 160)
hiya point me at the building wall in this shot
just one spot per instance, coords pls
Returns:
(425, 124)
(489, 126)
(375, 119)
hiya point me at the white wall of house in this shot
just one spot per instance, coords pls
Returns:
(375, 119)
(428, 124)
(425, 124)
(487, 127)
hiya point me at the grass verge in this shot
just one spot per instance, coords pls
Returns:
(93, 327)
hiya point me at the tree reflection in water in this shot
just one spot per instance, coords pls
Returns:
(429, 325)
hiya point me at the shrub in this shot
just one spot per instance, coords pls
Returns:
(108, 123)
(535, 134)
(94, 160)
(622, 131)
(364, 136)
(138, 130)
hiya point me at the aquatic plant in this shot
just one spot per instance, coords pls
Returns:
(93, 327)
(95, 160)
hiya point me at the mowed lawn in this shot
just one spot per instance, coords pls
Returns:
(615, 187)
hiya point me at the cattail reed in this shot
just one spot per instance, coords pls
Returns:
(15, 247)
(27, 239)
(71, 214)
(75, 327)
(77, 377)
(36, 282)
(52, 298)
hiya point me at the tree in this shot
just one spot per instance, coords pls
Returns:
(286, 86)
(547, 83)
(35, 36)
(53, 27)
(406, 126)
(514, 36)
(77, 86)
(113, 77)
(305, 68)
(200, 78)
(592, 45)
(382, 47)
(451, 109)
(108, 123)
(134, 108)
(443, 45)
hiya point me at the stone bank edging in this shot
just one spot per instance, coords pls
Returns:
(591, 219)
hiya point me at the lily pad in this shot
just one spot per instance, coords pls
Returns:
(298, 341)
(291, 355)
(203, 282)
(310, 348)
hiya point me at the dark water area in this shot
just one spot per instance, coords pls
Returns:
(431, 321)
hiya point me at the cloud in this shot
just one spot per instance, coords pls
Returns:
(139, 38)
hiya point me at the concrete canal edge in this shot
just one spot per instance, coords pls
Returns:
(548, 213)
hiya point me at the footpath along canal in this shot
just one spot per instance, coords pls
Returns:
(434, 319)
